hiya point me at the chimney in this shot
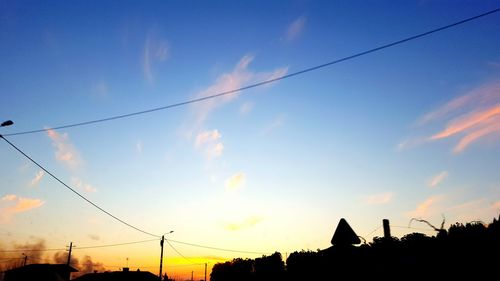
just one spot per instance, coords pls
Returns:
(387, 229)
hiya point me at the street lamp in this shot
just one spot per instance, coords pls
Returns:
(6, 123)
(161, 256)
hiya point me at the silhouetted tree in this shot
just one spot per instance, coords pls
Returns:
(237, 269)
(464, 251)
(269, 268)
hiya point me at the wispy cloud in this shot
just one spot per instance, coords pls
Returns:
(100, 89)
(237, 78)
(411, 143)
(12, 204)
(155, 51)
(296, 28)
(496, 205)
(277, 122)
(379, 199)
(36, 180)
(66, 153)
(481, 209)
(437, 179)
(94, 236)
(248, 222)
(470, 117)
(209, 142)
(207, 137)
(139, 146)
(76, 182)
(246, 108)
(235, 182)
(426, 208)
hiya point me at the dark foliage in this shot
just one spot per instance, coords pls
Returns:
(463, 252)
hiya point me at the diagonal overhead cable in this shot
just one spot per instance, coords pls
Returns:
(216, 248)
(300, 72)
(76, 192)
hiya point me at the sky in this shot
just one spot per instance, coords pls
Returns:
(411, 131)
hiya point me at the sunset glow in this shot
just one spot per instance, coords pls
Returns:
(407, 131)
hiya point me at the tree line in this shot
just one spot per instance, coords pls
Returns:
(463, 251)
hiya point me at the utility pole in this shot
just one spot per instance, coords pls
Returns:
(205, 272)
(69, 255)
(25, 259)
(161, 256)
(192, 275)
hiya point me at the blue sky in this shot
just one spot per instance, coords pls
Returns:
(409, 131)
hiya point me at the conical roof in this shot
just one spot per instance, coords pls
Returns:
(344, 235)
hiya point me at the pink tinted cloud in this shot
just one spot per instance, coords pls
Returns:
(469, 121)
(240, 76)
(471, 117)
(479, 97)
(489, 129)
(209, 142)
(12, 204)
(426, 208)
(437, 179)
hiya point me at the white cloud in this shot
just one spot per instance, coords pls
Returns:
(155, 51)
(235, 182)
(379, 199)
(437, 179)
(38, 177)
(66, 153)
(296, 28)
(12, 204)
(82, 185)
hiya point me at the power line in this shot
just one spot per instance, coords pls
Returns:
(415, 228)
(76, 192)
(216, 248)
(114, 245)
(79, 248)
(373, 231)
(146, 266)
(265, 82)
(179, 253)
